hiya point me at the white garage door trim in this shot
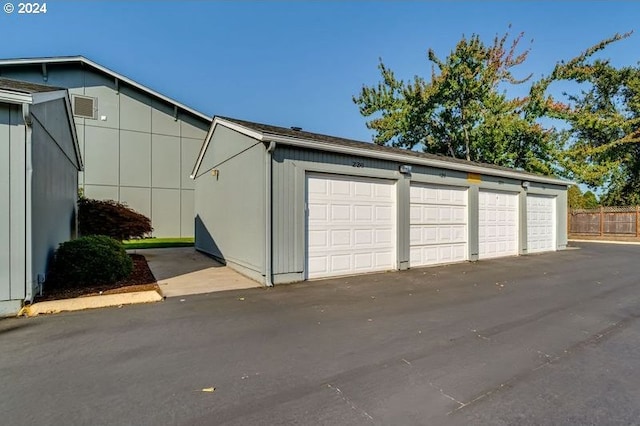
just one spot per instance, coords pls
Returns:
(438, 222)
(498, 220)
(350, 226)
(541, 223)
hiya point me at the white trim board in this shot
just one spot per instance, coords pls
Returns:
(391, 156)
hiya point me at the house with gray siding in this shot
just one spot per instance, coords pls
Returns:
(138, 145)
(39, 165)
(282, 205)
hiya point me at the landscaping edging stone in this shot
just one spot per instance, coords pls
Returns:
(90, 302)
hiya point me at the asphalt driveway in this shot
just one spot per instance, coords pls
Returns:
(546, 339)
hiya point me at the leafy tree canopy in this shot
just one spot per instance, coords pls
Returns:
(462, 111)
(602, 143)
(577, 200)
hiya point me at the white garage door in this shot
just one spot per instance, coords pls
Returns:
(541, 229)
(438, 221)
(498, 224)
(351, 225)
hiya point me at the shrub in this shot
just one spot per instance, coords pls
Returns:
(96, 259)
(116, 220)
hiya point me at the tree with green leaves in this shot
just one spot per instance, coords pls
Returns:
(590, 200)
(602, 142)
(577, 200)
(462, 110)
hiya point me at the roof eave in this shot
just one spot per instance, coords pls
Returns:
(303, 143)
(15, 97)
(398, 157)
(86, 61)
(42, 97)
(207, 140)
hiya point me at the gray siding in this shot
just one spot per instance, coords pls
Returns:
(54, 184)
(291, 164)
(289, 168)
(12, 209)
(136, 151)
(230, 207)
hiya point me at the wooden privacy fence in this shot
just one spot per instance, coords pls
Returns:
(614, 221)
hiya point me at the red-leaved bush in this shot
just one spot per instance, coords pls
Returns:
(111, 218)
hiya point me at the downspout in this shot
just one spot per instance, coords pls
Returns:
(268, 234)
(26, 116)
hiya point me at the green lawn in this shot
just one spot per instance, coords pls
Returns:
(158, 243)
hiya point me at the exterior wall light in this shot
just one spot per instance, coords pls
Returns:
(526, 184)
(405, 169)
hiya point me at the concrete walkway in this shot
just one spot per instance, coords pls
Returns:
(183, 271)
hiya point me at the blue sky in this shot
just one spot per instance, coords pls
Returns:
(300, 63)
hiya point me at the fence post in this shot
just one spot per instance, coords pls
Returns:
(601, 221)
(637, 221)
(569, 221)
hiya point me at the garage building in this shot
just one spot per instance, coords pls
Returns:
(137, 144)
(39, 165)
(282, 205)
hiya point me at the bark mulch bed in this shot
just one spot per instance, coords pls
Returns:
(141, 279)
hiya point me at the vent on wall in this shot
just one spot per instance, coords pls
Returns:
(85, 107)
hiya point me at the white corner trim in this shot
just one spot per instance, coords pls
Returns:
(12, 97)
(74, 134)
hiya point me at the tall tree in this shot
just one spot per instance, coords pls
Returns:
(462, 111)
(602, 146)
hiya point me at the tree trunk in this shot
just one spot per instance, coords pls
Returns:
(466, 143)
(464, 128)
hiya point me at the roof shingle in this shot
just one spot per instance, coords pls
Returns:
(25, 87)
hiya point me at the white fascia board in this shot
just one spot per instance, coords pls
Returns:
(11, 97)
(413, 160)
(398, 157)
(74, 134)
(207, 140)
(82, 59)
(42, 97)
(63, 94)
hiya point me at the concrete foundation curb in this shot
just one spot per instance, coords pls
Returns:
(90, 302)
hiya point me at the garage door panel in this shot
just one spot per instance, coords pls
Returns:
(498, 224)
(363, 213)
(384, 192)
(340, 237)
(318, 212)
(384, 214)
(429, 214)
(438, 224)
(340, 263)
(338, 187)
(318, 264)
(540, 223)
(318, 239)
(340, 212)
(435, 255)
(363, 261)
(360, 225)
(363, 237)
